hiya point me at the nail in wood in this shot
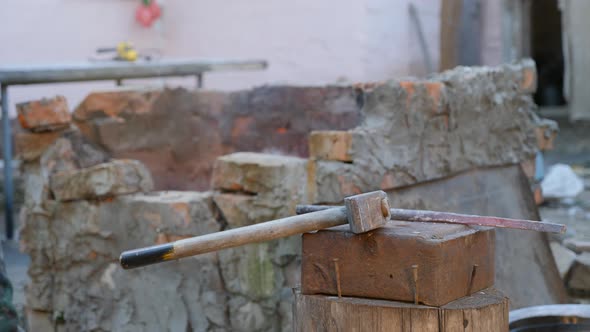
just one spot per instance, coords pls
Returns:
(337, 269)
(473, 272)
(415, 276)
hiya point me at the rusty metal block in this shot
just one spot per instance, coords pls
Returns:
(426, 263)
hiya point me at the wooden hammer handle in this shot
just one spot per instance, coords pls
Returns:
(234, 237)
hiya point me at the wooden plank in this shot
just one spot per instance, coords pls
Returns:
(378, 264)
(486, 310)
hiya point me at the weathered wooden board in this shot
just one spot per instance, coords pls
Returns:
(381, 264)
(484, 311)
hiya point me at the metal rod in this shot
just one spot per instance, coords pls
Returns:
(265, 231)
(199, 80)
(455, 218)
(113, 70)
(8, 184)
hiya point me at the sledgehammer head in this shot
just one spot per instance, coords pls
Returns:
(367, 211)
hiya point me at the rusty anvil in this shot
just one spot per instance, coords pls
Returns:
(364, 213)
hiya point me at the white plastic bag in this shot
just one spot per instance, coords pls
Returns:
(561, 182)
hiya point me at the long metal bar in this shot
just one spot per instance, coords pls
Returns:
(265, 231)
(7, 153)
(118, 70)
(455, 218)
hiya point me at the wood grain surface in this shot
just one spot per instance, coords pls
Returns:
(379, 264)
(484, 311)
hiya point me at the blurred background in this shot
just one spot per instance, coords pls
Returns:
(311, 60)
(307, 42)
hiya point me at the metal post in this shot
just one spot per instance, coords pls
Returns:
(199, 80)
(7, 140)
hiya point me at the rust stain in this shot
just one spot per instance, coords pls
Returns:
(281, 130)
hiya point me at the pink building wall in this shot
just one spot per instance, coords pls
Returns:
(306, 42)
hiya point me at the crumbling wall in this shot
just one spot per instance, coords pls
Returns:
(178, 134)
(409, 131)
(420, 130)
(79, 219)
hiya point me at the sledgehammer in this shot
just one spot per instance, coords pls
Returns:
(364, 212)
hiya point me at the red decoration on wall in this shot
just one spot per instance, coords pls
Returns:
(148, 12)
(155, 9)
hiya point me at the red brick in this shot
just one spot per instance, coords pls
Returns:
(528, 83)
(410, 89)
(44, 115)
(114, 104)
(434, 91)
(330, 145)
(29, 146)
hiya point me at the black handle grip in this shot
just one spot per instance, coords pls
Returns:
(146, 256)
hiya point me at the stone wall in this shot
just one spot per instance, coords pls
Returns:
(179, 133)
(83, 208)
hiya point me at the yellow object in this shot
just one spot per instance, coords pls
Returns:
(125, 51)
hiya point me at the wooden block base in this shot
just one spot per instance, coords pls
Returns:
(484, 311)
(430, 263)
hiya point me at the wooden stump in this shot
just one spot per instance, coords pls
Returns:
(484, 311)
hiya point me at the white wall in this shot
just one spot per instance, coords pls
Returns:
(307, 42)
